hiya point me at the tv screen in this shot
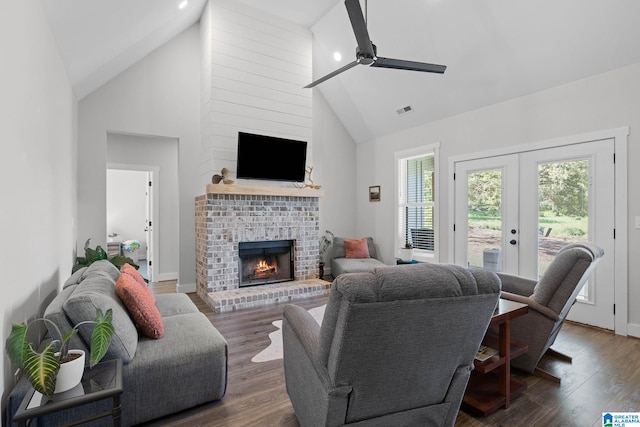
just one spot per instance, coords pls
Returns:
(271, 158)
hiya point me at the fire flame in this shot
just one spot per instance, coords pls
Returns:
(264, 269)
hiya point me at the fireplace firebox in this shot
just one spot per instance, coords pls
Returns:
(261, 263)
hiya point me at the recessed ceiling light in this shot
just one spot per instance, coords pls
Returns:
(337, 56)
(183, 4)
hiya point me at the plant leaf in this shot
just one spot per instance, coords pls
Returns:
(120, 260)
(93, 255)
(16, 343)
(42, 369)
(101, 336)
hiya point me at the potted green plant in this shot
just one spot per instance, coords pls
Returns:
(47, 369)
(97, 254)
(325, 242)
(406, 253)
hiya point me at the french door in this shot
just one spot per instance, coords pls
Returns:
(513, 213)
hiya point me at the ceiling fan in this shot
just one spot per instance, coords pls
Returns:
(366, 52)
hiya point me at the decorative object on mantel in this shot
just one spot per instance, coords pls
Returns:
(374, 193)
(223, 177)
(325, 241)
(309, 182)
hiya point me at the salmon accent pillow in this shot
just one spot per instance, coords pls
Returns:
(131, 270)
(356, 248)
(140, 303)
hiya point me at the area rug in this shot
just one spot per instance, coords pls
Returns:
(274, 350)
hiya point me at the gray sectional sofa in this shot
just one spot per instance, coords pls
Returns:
(187, 367)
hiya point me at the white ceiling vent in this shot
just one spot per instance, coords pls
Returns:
(404, 110)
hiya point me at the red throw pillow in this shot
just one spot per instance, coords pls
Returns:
(356, 248)
(140, 302)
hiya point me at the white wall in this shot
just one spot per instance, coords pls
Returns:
(37, 170)
(161, 154)
(254, 67)
(606, 101)
(334, 169)
(159, 96)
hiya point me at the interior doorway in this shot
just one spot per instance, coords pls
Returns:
(158, 155)
(130, 216)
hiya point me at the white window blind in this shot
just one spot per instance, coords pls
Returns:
(416, 204)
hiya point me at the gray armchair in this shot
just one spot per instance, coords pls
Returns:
(340, 264)
(395, 348)
(549, 300)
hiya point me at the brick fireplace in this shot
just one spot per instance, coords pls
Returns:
(229, 215)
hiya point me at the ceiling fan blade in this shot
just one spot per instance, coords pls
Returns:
(365, 48)
(402, 64)
(332, 74)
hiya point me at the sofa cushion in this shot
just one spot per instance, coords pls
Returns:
(172, 304)
(354, 265)
(75, 278)
(99, 292)
(356, 248)
(55, 313)
(140, 302)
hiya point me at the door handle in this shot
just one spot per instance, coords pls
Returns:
(513, 241)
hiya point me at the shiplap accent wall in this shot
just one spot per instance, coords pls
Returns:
(254, 68)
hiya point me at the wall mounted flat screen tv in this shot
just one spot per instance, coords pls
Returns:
(271, 158)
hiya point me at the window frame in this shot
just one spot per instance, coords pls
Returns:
(400, 159)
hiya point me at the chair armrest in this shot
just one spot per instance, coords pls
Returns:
(517, 285)
(307, 332)
(305, 327)
(533, 304)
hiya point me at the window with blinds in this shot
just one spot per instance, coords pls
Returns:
(416, 203)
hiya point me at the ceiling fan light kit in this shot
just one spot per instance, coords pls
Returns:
(367, 53)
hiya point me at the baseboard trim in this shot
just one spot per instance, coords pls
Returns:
(165, 276)
(186, 288)
(633, 330)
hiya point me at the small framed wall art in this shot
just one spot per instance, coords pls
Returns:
(374, 193)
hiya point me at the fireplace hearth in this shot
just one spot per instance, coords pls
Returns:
(261, 263)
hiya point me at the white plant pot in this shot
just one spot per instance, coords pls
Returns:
(70, 373)
(406, 254)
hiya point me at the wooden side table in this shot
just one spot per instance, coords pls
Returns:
(490, 385)
(103, 381)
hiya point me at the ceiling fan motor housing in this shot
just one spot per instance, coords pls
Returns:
(365, 59)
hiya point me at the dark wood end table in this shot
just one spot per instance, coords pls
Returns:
(103, 381)
(490, 385)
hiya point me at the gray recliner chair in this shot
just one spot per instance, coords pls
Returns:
(549, 300)
(395, 348)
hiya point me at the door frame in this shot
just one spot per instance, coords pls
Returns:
(155, 173)
(620, 137)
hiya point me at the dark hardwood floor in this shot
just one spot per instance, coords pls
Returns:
(604, 376)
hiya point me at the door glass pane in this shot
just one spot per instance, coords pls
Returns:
(563, 213)
(484, 210)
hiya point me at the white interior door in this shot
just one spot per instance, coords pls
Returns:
(562, 195)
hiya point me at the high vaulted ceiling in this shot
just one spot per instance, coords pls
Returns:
(494, 50)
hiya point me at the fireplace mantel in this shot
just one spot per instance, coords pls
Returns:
(263, 191)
